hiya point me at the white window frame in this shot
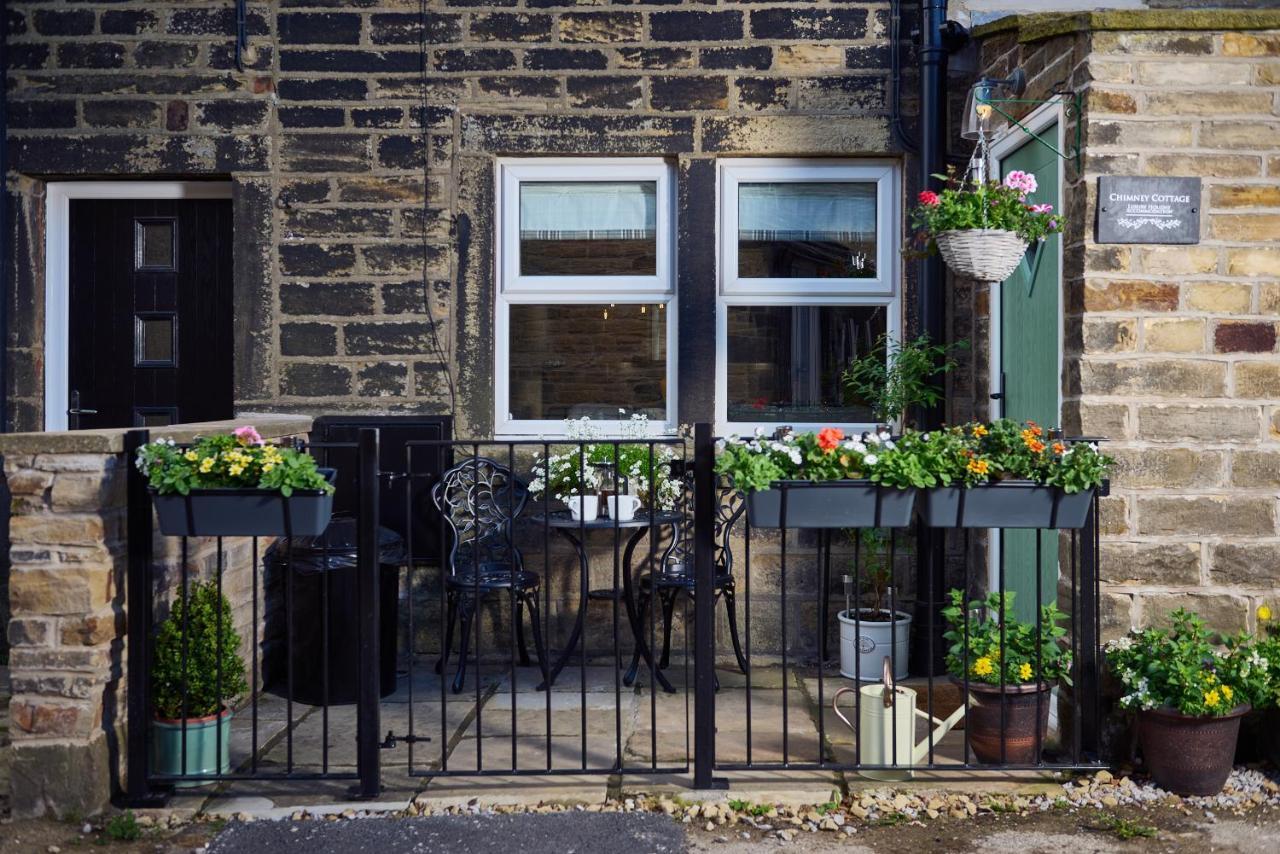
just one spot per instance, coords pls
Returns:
(885, 290)
(515, 289)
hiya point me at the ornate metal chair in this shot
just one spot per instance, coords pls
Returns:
(480, 499)
(677, 577)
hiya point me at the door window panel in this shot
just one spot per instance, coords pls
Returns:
(155, 244)
(155, 340)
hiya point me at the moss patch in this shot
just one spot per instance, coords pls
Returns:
(1037, 27)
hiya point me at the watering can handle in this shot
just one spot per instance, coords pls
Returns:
(836, 708)
(886, 676)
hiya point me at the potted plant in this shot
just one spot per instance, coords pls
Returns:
(824, 479)
(1009, 669)
(1187, 699)
(1253, 663)
(193, 703)
(983, 229)
(893, 377)
(873, 631)
(1007, 474)
(236, 485)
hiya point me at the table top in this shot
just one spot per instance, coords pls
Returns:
(562, 519)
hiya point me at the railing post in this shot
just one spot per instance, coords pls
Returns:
(138, 791)
(704, 615)
(1087, 603)
(367, 717)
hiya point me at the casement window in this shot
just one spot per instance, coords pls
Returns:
(809, 279)
(585, 314)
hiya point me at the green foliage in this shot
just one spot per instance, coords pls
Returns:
(206, 644)
(1008, 449)
(1125, 828)
(228, 462)
(123, 827)
(1001, 649)
(895, 376)
(579, 469)
(963, 205)
(1178, 668)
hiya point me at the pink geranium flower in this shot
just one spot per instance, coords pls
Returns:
(1023, 182)
(928, 197)
(247, 435)
(1040, 209)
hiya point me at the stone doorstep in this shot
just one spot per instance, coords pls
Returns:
(264, 809)
(112, 441)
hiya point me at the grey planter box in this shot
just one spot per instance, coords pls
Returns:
(245, 513)
(846, 504)
(1009, 504)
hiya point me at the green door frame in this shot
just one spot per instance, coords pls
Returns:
(1015, 142)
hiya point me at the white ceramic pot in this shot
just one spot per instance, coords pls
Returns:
(583, 507)
(622, 507)
(866, 643)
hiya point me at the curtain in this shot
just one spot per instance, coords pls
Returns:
(807, 211)
(577, 210)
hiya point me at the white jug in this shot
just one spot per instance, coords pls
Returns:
(887, 727)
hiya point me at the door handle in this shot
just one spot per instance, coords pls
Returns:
(82, 411)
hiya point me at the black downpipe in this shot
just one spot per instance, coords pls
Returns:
(6, 280)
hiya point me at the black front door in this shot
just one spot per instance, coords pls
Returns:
(150, 312)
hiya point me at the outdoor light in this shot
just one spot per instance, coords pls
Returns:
(981, 119)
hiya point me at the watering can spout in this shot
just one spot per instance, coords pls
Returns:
(921, 752)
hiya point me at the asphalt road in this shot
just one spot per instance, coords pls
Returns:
(562, 833)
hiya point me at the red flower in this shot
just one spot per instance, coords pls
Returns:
(829, 438)
(928, 197)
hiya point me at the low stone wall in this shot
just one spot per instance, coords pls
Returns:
(68, 555)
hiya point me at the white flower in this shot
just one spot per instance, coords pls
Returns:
(885, 436)
(720, 446)
(870, 459)
(872, 439)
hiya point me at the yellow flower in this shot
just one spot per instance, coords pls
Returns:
(1227, 692)
(206, 465)
(1211, 698)
(995, 653)
(1264, 613)
(191, 456)
(978, 466)
(1209, 678)
(1024, 672)
(266, 467)
(236, 469)
(983, 666)
(979, 430)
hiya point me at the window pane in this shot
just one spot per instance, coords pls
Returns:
(798, 230)
(785, 362)
(568, 361)
(153, 239)
(155, 339)
(588, 228)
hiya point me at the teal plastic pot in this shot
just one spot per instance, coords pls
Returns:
(202, 738)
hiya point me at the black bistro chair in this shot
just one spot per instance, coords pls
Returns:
(481, 499)
(677, 577)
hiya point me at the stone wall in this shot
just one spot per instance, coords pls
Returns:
(361, 141)
(67, 596)
(1170, 351)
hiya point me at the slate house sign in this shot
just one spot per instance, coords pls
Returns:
(1148, 210)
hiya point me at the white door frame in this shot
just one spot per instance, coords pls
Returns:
(57, 282)
(1012, 140)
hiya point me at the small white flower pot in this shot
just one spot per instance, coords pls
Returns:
(865, 644)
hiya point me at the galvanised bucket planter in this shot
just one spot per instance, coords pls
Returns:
(1006, 504)
(839, 504)
(245, 512)
(1189, 755)
(203, 757)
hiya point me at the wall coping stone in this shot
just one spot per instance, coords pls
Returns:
(112, 441)
(1046, 25)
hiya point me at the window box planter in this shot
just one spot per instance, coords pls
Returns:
(202, 738)
(245, 512)
(1189, 755)
(834, 504)
(1013, 736)
(1006, 504)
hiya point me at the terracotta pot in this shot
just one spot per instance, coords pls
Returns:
(1189, 755)
(1019, 737)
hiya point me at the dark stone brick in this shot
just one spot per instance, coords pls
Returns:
(846, 95)
(351, 61)
(324, 152)
(867, 56)
(429, 380)
(398, 258)
(619, 93)
(805, 24)
(230, 115)
(77, 22)
(406, 28)
(121, 114)
(313, 222)
(128, 22)
(165, 54)
(483, 59)
(696, 26)
(520, 87)
(304, 190)
(510, 27)
(383, 379)
(655, 57)
(576, 134)
(14, 23)
(215, 22)
(763, 93)
(308, 339)
(25, 56)
(401, 152)
(42, 114)
(430, 117)
(377, 117)
(127, 83)
(689, 93)
(409, 298)
(303, 379)
(1239, 337)
(343, 299)
(177, 115)
(554, 59)
(386, 338)
(312, 117)
(323, 90)
(754, 58)
(318, 28)
(90, 55)
(469, 3)
(311, 259)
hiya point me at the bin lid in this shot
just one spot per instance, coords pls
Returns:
(336, 548)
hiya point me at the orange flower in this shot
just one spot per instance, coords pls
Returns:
(1035, 445)
(978, 466)
(829, 438)
(1059, 448)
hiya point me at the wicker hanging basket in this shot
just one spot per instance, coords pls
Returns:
(984, 254)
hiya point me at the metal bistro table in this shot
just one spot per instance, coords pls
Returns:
(571, 529)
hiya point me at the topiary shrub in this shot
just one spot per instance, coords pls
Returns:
(207, 643)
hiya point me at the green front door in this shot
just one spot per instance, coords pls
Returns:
(1030, 340)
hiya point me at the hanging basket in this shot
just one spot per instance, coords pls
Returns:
(984, 254)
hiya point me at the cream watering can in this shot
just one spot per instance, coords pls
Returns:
(886, 711)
